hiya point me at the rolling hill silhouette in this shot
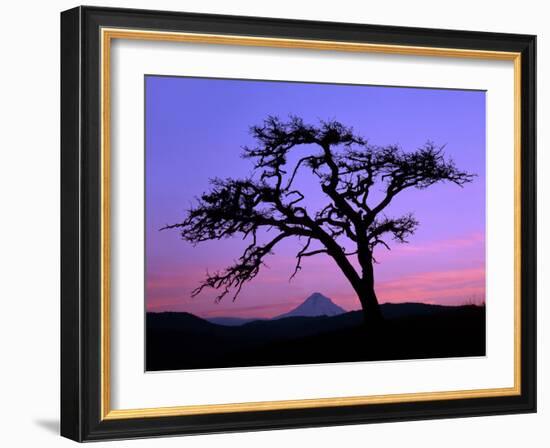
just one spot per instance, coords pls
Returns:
(176, 340)
(232, 321)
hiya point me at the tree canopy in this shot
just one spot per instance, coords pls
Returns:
(347, 168)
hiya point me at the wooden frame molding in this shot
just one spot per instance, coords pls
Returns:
(107, 36)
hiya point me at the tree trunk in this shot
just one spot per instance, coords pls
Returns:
(362, 284)
(372, 313)
(367, 296)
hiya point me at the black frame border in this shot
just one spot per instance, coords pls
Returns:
(81, 223)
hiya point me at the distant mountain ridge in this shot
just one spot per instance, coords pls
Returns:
(319, 305)
(315, 305)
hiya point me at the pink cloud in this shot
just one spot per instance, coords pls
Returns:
(438, 272)
(453, 285)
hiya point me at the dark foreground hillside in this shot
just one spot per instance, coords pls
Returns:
(411, 331)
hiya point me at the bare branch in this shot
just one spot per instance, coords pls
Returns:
(398, 228)
(420, 169)
(299, 259)
(244, 270)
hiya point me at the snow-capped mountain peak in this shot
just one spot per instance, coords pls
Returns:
(315, 305)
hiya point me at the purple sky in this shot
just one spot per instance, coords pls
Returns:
(195, 128)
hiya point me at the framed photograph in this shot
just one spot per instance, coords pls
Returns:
(274, 223)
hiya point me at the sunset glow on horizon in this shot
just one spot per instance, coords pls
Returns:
(195, 128)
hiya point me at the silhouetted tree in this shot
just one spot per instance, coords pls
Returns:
(347, 167)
